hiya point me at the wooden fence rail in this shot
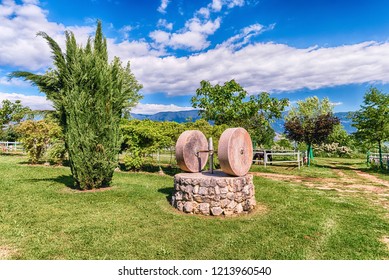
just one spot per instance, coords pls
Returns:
(297, 157)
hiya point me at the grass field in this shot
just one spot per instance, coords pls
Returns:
(332, 210)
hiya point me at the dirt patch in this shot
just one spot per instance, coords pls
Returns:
(345, 183)
(372, 178)
(6, 253)
(385, 240)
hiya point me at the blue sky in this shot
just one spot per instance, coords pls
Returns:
(293, 49)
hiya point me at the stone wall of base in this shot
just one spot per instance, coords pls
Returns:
(213, 194)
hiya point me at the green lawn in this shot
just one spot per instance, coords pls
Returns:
(41, 217)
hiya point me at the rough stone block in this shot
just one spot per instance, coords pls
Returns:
(216, 211)
(204, 208)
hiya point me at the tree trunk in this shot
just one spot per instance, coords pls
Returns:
(309, 154)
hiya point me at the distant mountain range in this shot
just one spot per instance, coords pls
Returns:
(192, 115)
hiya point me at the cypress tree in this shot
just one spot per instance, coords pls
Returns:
(90, 95)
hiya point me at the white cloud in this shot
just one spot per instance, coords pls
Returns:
(163, 6)
(164, 24)
(336, 103)
(216, 5)
(150, 109)
(125, 30)
(193, 36)
(256, 66)
(266, 67)
(5, 81)
(19, 25)
(243, 38)
(35, 102)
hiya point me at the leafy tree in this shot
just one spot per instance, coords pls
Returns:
(11, 113)
(339, 135)
(372, 120)
(311, 122)
(231, 105)
(36, 137)
(90, 95)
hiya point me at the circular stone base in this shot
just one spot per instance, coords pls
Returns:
(213, 194)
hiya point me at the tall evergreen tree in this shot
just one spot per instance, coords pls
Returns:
(90, 95)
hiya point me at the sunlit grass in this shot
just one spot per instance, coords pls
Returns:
(41, 217)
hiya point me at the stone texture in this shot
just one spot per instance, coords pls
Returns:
(204, 208)
(216, 211)
(213, 194)
(188, 207)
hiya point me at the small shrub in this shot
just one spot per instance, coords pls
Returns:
(133, 159)
(56, 153)
(36, 137)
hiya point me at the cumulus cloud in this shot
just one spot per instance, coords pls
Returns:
(256, 66)
(266, 67)
(19, 25)
(244, 36)
(150, 109)
(35, 102)
(163, 6)
(165, 24)
(194, 35)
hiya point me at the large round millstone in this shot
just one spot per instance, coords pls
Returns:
(235, 151)
(213, 194)
(190, 151)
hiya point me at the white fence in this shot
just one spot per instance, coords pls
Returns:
(374, 158)
(269, 156)
(7, 147)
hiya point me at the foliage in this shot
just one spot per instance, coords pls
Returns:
(56, 152)
(90, 96)
(11, 113)
(372, 120)
(282, 145)
(333, 150)
(231, 105)
(36, 136)
(339, 135)
(142, 138)
(311, 122)
(133, 159)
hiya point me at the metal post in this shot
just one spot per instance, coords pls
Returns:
(210, 149)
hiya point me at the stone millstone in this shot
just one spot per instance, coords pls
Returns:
(188, 147)
(235, 151)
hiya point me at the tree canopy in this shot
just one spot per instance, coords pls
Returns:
(230, 104)
(372, 120)
(311, 121)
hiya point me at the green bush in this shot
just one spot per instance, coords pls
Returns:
(37, 136)
(56, 153)
(133, 160)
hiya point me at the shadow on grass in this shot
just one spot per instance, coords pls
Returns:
(170, 170)
(168, 192)
(66, 180)
(11, 154)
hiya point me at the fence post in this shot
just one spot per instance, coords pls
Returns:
(298, 158)
(264, 158)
